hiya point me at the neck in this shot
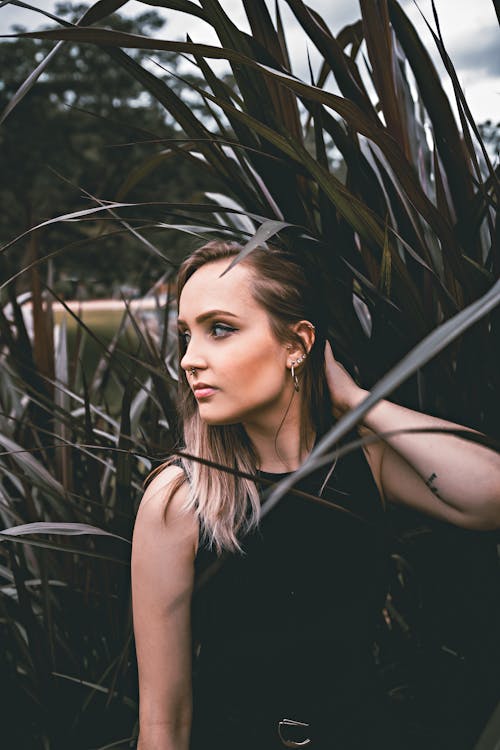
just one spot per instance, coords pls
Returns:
(282, 451)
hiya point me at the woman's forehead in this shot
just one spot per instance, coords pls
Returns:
(206, 290)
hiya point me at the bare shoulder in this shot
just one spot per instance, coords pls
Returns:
(373, 453)
(161, 513)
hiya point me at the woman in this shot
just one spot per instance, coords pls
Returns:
(274, 648)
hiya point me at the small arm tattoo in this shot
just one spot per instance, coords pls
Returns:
(432, 486)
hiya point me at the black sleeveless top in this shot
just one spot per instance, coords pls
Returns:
(286, 629)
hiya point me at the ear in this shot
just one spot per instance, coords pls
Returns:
(305, 331)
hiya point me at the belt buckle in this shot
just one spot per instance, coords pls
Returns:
(292, 723)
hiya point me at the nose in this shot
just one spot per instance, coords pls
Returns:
(192, 359)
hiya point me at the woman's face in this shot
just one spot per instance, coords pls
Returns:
(232, 348)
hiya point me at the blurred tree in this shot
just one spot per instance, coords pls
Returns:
(70, 124)
(490, 133)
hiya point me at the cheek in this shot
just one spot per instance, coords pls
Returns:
(256, 382)
(262, 374)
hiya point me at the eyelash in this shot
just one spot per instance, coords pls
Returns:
(223, 326)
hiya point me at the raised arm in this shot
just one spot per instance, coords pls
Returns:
(163, 554)
(442, 475)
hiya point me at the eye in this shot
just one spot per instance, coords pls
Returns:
(184, 337)
(220, 330)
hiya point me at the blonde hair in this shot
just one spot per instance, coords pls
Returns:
(228, 505)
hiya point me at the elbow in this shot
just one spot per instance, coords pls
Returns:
(492, 508)
(491, 522)
(164, 728)
(164, 735)
(486, 517)
(481, 523)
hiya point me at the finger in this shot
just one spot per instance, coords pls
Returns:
(328, 352)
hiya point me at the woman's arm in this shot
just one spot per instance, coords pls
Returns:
(445, 476)
(163, 554)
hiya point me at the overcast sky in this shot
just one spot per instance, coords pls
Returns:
(470, 31)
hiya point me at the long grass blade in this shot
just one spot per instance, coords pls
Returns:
(65, 529)
(264, 233)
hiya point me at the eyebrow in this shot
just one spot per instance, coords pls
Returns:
(206, 315)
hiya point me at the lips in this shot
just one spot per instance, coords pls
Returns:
(203, 390)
